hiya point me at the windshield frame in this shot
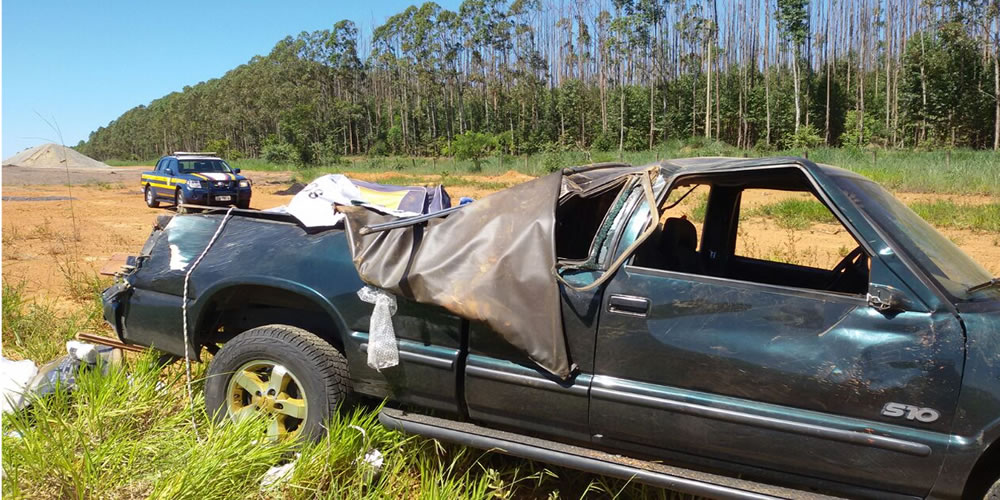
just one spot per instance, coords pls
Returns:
(851, 186)
(227, 169)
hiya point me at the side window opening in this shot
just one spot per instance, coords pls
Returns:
(578, 221)
(767, 227)
(676, 242)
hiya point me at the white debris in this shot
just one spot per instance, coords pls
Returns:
(14, 379)
(371, 462)
(82, 351)
(314, 205)
(278, 475)
(382, 349)
(373, 458)
(275, 476)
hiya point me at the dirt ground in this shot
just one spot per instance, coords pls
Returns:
(48, 239)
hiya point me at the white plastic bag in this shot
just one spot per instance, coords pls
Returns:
(382, 349)
(14, 379)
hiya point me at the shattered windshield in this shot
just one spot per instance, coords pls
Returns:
(947, 264)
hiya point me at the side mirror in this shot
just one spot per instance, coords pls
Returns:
(237, 170)
(887, 299)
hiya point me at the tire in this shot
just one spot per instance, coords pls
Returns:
(314, 378)
(179, 200)
(243, 204)
(150, 197)
(994, 492)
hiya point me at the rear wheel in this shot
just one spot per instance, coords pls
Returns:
(994, 492)
(151, 197)
(291, 376)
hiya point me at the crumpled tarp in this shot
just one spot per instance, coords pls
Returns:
(492, 261)
(313, 206)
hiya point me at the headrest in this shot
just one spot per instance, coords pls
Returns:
(678, 232)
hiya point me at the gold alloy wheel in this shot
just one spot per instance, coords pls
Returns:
(269, 388)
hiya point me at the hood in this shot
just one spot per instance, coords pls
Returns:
(215, 176)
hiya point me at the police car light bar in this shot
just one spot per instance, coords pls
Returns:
(195, 153)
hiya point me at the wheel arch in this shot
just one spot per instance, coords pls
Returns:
(230, 307)
(984, 473)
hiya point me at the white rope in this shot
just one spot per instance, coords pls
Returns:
(184, 315)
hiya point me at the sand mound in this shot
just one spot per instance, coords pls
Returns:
(52, 155)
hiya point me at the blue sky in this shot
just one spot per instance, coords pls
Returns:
(82, 63)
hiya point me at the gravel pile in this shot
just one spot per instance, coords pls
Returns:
(52, 155)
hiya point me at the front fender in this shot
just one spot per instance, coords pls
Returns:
(977, 426)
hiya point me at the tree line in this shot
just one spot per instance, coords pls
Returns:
(543, 75)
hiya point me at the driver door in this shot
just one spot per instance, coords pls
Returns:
(727, 361)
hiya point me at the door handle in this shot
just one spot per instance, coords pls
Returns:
(628, 305)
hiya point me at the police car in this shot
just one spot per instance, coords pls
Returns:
(195, 179)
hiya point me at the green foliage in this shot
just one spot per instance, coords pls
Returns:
(431, 74)
(34, 329)
(224, 149)
(280, 153)
(473, 146)
(605, 141)
(947, 63)
(793, 19)
(326, 154)
(947, 213)
(806, 138)
(795, 213)
(862, 133)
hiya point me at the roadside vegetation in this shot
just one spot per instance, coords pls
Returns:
(959, 171)
(947, 213)
(127, 433)
(795, 213)
(527, 78)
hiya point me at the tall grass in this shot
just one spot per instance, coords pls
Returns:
(947, 213)
(125, 432)
(800, 214)
(794, 213)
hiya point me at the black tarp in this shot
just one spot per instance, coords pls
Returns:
(493, 260)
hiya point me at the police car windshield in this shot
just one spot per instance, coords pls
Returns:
(191, 166)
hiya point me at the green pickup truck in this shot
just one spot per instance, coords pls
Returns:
(580, 320)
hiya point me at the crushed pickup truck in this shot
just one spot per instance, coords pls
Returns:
(579, 319)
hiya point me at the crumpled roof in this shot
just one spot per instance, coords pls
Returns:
(492, 261)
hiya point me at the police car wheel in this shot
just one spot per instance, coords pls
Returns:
(179, 200)
(151, 197)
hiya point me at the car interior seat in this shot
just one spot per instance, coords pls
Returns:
(672, 247)
(679, 245)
